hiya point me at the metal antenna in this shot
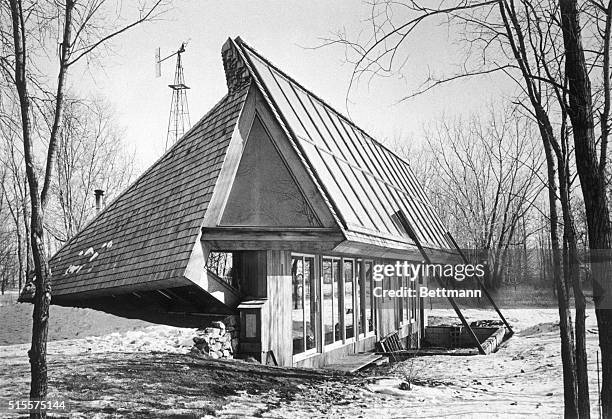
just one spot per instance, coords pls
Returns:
(178, 122)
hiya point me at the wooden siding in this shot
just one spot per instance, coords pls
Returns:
(279, 303)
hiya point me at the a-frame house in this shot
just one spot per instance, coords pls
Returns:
(300, 202)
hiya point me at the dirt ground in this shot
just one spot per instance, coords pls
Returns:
(147, 373)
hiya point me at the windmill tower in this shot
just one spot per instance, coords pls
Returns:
(178, 122)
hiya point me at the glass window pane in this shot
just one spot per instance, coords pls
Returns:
(349, 287)
(405, 284)
(359, 298)
(330, 269)
(369, 297)
(310, 310)
(337, 293)
(328, 301)
(297, 312)
(414, 301)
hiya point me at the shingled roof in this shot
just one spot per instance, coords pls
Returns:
(145, 237)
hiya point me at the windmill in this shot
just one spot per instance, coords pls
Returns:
(178, 122)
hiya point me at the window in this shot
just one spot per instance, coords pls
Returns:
(406, 284)
(221, 265)
(330, 269)
(368, 297)
(349, 288)
(304, 313)
(415, 300)
(359, 297)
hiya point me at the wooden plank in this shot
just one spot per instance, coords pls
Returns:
(279, 325)
(353, 363)
(295, 246)
(271, 234)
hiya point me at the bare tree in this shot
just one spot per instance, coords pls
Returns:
(533, 43)
(14, 188)
(487, 171)
(81, 29)
(591, 163)
(91, 155)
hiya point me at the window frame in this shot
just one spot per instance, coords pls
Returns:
(307, 353)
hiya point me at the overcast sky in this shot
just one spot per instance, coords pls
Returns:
(281, 31)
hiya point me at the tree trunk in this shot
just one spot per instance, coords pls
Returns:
(572, 276)
(565, 320)
(40, 317)
(593, 187)
(19, 250)
(42, 298)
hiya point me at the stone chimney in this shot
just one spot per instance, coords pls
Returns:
(99, 193)
(236, 73)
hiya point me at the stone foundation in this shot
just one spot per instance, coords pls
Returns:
(219, 340)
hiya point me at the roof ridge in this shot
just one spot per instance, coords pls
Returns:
(240, 41)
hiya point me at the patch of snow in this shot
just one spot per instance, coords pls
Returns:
(73, 269)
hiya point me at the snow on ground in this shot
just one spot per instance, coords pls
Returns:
(64, 322)
(522, 379)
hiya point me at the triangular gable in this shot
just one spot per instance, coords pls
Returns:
(264, 182)
(264, 192)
